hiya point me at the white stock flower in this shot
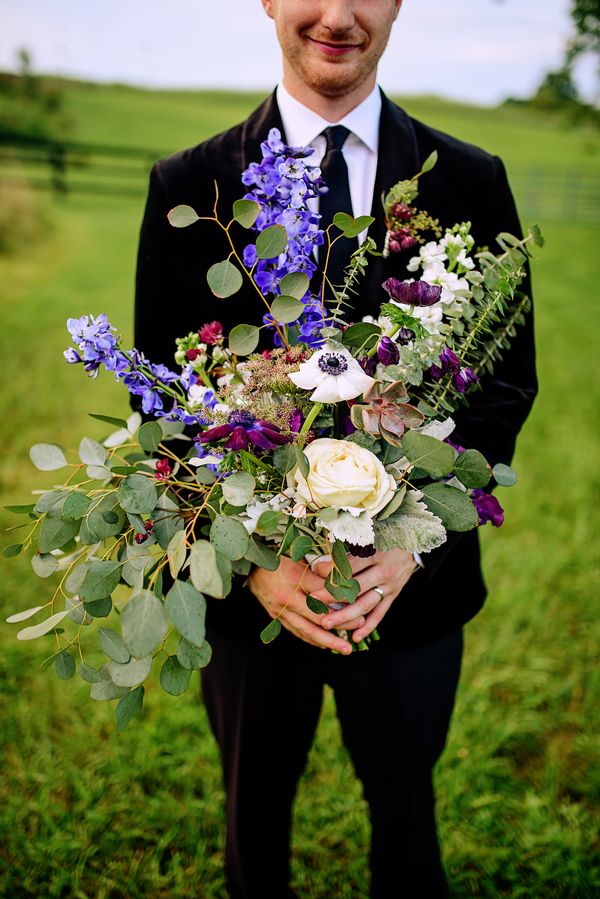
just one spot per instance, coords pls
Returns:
(342, 475)
(332, 374)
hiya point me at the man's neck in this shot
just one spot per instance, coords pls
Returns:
(332, 109)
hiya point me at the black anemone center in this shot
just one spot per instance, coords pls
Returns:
(241, 417)
(333, 364)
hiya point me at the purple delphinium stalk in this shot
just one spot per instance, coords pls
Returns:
(412, 293)
(488, 508)
(282, 183)
(388, 352)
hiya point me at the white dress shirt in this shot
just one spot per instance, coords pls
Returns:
(303, 128)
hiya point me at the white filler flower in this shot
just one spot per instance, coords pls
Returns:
(333, 375)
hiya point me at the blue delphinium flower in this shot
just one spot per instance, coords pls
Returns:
(282, 184)
(96, 345)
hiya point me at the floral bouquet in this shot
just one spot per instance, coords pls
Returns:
(335, 439)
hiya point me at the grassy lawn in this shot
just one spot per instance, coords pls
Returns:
(87, 813)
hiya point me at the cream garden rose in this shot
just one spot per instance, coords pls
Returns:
(342, 475)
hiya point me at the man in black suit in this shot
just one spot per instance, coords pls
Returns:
(395, 701)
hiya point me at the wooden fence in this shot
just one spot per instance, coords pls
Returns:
(543, 193)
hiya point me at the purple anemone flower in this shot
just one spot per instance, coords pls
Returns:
(388, 352)
(243, 428)
(488, 508)
(412, 293)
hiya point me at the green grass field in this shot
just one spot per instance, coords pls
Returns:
(86, 813)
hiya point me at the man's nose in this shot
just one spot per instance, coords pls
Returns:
(338, 15)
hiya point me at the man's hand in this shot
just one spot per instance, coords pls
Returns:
(389, 571)
(283, 594)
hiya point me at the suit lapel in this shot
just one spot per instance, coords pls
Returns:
(398, 160)
(256, 130)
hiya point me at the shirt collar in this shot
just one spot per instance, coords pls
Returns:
(302, 124)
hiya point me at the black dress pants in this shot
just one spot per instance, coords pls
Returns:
(394, 707)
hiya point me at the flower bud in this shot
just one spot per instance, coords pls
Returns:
(387, 352)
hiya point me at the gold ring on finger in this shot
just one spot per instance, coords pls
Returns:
(380, 590)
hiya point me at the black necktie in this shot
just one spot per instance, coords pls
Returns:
(337, 199)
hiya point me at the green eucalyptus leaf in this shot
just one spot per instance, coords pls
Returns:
(472, 469)
(243, 339)
(302, 462)
(294, 285)
(181, 216)
(286, 309)
(75, 506)
(117, 422)
(89, 674)
(44, 627)
(54, 533)
(340, 559)
(186, 607)
(245, 212)
(64, 665)
(361, 334)
(100, 580)
(113, 646)
(193, 657)
(261, 555)
(47, 456)
(52, 502)
(452, 506)
(271, 242)
(224, 279)
(316, 606)
(21, 510)
(300, 547)
(432, 455)
(238, 488)
(99, 608)
(229, 536)
(149, 436)
(143, 623)
(284, 459)
(12, 550)
(24, 615)
(91, 452)
(137, 494)
(268, 522)
(342, 589)
(105, 689)
(352, 227)
(272, 630)
(204, 569)
(128, 707)
(131, 673)
(77, 612)
(504, 475)
(174, 678)
(177, 552)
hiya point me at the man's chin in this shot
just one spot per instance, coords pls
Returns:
(334, 80)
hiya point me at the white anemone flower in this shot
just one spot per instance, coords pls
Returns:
(333, 374)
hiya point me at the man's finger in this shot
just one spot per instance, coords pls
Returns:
(373, 619)
(311, 633)
(341, 618)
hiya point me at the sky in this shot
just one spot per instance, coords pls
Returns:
(480, 51)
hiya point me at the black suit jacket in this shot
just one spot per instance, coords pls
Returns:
(173, 298)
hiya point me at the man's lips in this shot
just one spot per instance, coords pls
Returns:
(333, 48)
